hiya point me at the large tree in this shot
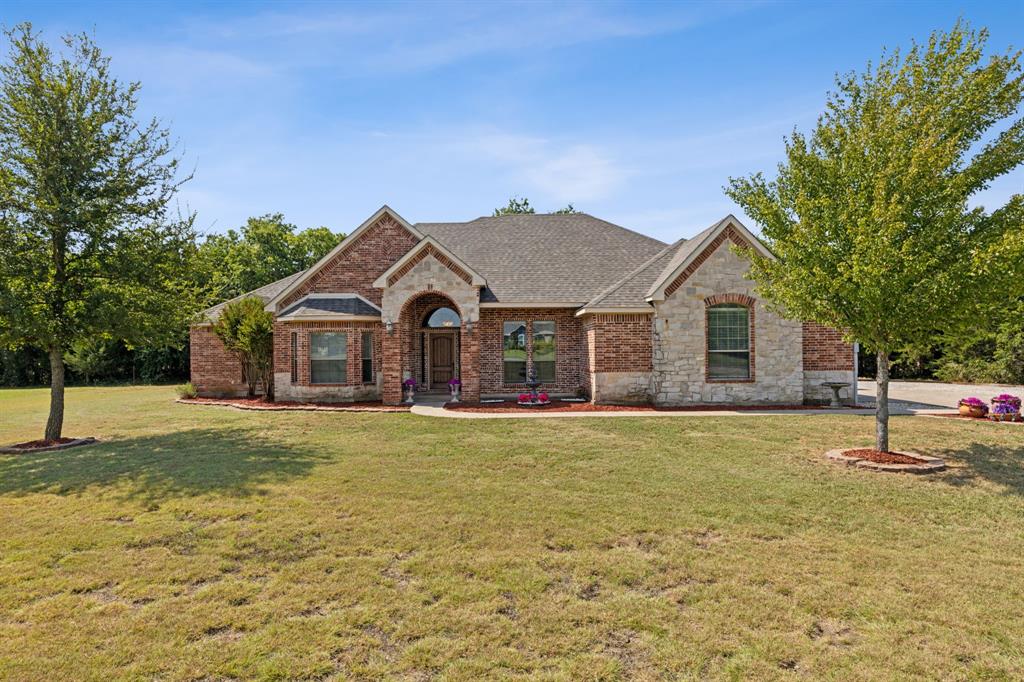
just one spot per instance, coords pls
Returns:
(89, 247)
(870, 216)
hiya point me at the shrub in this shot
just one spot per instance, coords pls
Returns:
(186, 391)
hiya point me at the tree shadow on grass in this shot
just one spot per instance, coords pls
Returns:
(180, 464)
(1002, 465)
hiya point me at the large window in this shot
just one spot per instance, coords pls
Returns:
(443, 318)
(367, 351)
(514, 357)
(728, 342)
(544, 350)
(328, 353)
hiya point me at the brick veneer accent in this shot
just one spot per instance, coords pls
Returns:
(568, 348)
(214, 371)
(429, 250)
(354, 348)
(825, 349)
(728, 233)
(617, 343)
(355, 269)
(750, 304)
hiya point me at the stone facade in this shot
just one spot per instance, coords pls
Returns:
(680, 327)
(618, 363)
(826, 357)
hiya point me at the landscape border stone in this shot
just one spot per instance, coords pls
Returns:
(929, 464)
(48, 448)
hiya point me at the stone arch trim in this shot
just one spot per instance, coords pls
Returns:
(728, 234)
(429, 250)
(750, 304)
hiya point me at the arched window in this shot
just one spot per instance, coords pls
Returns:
(442, 318)
(728, 342)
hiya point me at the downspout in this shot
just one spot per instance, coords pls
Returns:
(856, 370)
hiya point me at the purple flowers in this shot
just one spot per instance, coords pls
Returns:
(1006, 407)
(973, 402)
(410, 382)
(454, 382)
(1007, 399)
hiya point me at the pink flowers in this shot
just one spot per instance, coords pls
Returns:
(1007, 399)
(524, 397)
(972, 402)
(543, 397)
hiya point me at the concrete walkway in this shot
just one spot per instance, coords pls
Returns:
(931, 395)
(438, 411)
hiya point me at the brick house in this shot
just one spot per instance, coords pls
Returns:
(591, 307)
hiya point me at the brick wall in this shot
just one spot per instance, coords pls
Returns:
(568, 347)
(825, 349)
(354, 388)
(214, 371)
(619, 343)
(355, 269)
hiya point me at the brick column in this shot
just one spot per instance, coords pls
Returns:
(391, 367)
(469, 362)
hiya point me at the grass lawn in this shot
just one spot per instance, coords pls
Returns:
(208, 543)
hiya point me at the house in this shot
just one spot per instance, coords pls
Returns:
(592, 307)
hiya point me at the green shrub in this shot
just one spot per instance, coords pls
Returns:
(186, 391)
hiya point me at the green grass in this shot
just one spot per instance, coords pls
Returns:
(208, 543)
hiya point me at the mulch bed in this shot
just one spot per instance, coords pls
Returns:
(283, 405)
(559, 406)
(43, 445)
(873, 455)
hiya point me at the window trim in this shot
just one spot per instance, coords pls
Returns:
(532, 356)
(295, 357)
(526, 349)
(734, 300)
(344, 360)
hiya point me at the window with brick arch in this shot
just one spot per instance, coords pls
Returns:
(728, 342)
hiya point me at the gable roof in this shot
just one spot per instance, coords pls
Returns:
(692, 249)
(265, 292)
(331, 306)
(348, 241)
(538, 258)
(434, 248)
(630, 292)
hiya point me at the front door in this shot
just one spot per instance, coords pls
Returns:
(442, 360)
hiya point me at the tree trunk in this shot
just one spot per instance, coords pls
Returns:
(882, 403)
(55, 423)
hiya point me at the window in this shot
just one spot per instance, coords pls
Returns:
(514, 357)
(728, 342)
(328, 353)
(443, 318)
(295, 358)
(544, 350)
(367, 346)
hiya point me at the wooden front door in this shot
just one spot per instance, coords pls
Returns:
(442, 360)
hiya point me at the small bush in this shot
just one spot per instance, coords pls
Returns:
(187, 391)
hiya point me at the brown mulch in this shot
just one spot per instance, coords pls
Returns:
(41, 443)
(880, 457)
(279, 405)
(559, 406)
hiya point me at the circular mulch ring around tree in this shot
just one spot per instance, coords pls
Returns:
(46, 446)
(893, 462)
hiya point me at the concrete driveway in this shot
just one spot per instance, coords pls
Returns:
(918, 395)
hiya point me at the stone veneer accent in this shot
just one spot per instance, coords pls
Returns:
(354, 269)
(567, 348)
(680, 341)
(214, 371)
(428, 277)
(617, 365)
(352, 390)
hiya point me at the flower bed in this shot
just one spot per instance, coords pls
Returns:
(281, 405)
(46, 445)
(574, 406)
(893, 462)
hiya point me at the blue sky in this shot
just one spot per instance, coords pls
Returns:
(637, 113)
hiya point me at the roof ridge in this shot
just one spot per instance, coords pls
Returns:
(643, 266)
(253, 291)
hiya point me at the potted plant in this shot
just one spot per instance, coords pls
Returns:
(1006, 407)
(973, 407)
(454, 385)
(410, 389)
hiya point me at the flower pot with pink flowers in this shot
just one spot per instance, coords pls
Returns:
(973, 407)
(1005, 408)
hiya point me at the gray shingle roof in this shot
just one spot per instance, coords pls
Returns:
(631, 290)
(265, 292)
(545, 257)
(341, 305)
(684, 252)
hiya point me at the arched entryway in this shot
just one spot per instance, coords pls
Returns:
(438, 345)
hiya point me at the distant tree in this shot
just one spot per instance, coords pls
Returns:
(567, 210)
(89, 248)
(869, 216)
(515, 206)
(266, 249)
(247, 332)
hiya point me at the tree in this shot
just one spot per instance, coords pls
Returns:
(869, 216)
(247, 332)
(89, 248)
(266, 249)
(515, 206)
(568, 210)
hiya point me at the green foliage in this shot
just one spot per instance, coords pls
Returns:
(869, 215)
(247, 332)
(90, 249)
(92, 357)
(515, 206)
(569, 209)
(186, 391)
(266, 249)
(994, 354)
